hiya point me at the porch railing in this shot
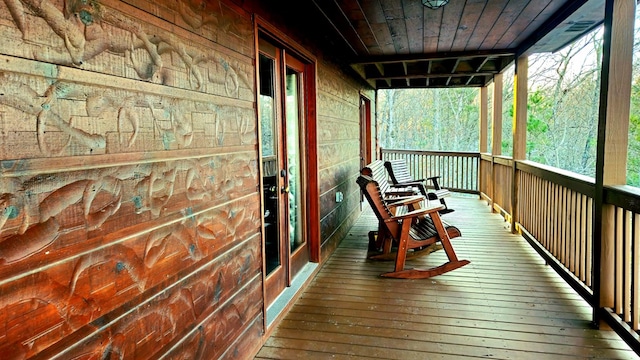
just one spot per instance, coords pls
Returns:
(458, 171)
(502, 185)
(622, 220)
(555, 210)
(555, 213)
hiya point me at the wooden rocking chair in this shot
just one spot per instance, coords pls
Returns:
(392, 193)
(399, 174)
(413, 231)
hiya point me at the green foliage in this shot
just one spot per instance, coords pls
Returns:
(562, 106)
(633, 158)
(562, 112)
(508, 112)
(428, 119)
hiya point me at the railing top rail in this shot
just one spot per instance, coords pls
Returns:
(430, 152)
(500, 159)
(506, 161)
(576, 182)
(486, 156)
(503, 157)
(624, 196)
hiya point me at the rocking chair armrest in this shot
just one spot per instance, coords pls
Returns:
(407, 200)
(395, 191)
(402, 186)
(416, 213)
(410, 183)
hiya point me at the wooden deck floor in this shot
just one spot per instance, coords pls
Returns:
(506, 304)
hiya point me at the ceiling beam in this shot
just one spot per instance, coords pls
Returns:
(469, 80)
(464, 55)
(455, 66)
(481, 63)
(434, 76)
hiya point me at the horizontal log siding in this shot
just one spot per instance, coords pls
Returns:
(130, 176)
(338, 153)
(130, 211)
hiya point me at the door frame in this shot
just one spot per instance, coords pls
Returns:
(365, 130)
(365, 135)
(263, 29)
(298, 257)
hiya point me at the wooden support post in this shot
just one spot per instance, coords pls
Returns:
(484, 98)
(484, 140)
(520, 96)
(496, 130)
(376, 132)
(613, 129)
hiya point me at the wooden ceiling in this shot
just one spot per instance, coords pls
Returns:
(402, 44)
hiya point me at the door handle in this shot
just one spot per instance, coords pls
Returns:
(284, 189)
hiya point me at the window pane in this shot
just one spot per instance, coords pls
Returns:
(296, 237)
(267, 104)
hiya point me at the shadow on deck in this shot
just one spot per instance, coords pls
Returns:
(506, 304)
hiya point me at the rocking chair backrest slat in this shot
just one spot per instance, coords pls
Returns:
(399, 174)
(376, 171)
(372, 193)
(398, 171)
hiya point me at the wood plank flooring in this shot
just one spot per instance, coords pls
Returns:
(506, 304)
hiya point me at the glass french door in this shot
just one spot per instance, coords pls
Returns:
(281, 109)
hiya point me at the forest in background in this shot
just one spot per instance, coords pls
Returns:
(562, 124)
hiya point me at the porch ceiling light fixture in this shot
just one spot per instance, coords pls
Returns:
(434, 4)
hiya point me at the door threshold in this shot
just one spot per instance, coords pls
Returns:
(280, 303)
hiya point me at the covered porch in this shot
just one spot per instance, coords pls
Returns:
(507, 304)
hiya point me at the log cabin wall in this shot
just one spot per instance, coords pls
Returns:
(339, 154)
(129, 202)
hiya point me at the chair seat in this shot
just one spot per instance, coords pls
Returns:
(425, 229)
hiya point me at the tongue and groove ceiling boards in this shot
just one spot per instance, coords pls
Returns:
(403, 44)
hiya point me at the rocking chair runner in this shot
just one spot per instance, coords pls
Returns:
(414, 230)
(400, 176)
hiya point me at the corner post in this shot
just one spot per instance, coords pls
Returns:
(496, 130)
(484, 97)
(520, 96)
(611, 156)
